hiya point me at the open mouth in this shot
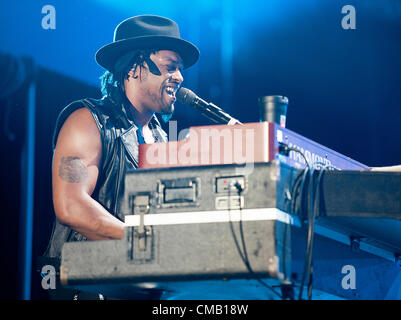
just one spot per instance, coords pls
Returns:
(171, 92)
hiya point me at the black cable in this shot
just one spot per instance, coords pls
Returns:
(309, 283)
(308, 270)
(283, 148)
(316, 206)
(286, 232)
(244, 256)
(294, 189)
(311, 214)
(305, 271)
(310, 234)
(239, 189)
(301, 194)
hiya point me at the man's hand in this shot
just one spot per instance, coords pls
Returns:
(75, 172)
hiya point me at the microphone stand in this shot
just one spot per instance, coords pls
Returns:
(216, 114)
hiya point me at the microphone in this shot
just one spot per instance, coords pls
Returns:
(211, 111)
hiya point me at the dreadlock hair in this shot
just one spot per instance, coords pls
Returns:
(110, 81)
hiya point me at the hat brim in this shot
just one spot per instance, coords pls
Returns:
(108, 55)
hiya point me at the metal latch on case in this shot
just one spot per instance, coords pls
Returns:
(141, 207)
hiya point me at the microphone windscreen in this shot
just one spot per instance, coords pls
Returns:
(185, 96)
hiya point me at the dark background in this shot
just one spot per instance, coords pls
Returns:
(343, 85)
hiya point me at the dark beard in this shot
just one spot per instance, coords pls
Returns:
(167, 114)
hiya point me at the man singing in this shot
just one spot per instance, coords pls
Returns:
(96, 141)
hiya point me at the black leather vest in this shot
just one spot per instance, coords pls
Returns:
(120, 154)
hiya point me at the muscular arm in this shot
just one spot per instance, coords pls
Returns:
(75, 171)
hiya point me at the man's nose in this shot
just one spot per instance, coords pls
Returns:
(177, 76)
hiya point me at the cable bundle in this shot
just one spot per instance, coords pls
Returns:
(298, 192)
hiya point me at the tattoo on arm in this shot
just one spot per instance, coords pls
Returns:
(72, 169)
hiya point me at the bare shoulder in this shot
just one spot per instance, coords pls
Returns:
(78, 143)
(78, 150)
(79, 134)
(81, 120)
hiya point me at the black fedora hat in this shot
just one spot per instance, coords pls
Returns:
(146, 32)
